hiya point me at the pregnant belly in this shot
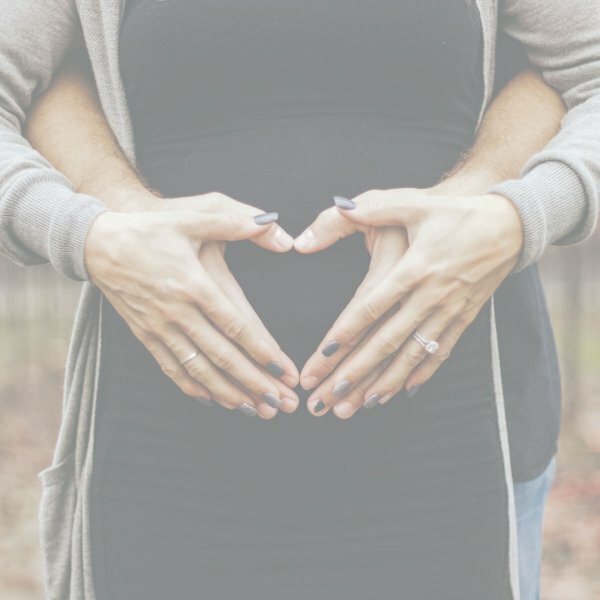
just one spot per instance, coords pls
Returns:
(295, 166)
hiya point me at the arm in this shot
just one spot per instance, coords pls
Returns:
(164, 258)
(42, 219)
(558, 190)
(519, 122)
(67, 125)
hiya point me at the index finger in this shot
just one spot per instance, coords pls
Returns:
(363, 311)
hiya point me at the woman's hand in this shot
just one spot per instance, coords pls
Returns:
(460, 250)
(148, 265)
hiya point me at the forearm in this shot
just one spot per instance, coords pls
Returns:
(67, 125)
(521, 120)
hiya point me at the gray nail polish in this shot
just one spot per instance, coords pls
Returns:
(204, 400)
(266, 218)
(330, 348)
(319, 406)
(412, 390)
(271, 399)
(344, 203)
(372, 401)
(341, 388)
(275, 369)
(247, 409)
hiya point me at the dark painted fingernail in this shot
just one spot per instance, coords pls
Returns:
(204, 400)
(330, 348)
(247, 409)
(319, 406)
(271, 399)
(266, 218)
(344, 203)
(275, 369)
(341, 388)
(412, 390)
(371, 401)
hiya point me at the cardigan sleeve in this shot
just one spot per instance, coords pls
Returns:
(42, 219)
(558, 189)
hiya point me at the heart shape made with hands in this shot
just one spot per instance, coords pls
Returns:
(299, 295)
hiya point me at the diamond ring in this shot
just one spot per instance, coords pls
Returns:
(430, 346)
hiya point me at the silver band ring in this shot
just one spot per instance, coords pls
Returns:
(430, 346)
(188, 358)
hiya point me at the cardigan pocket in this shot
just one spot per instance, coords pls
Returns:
(56, 510)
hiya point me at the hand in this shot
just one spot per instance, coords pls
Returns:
(147, 264)
(460, 250)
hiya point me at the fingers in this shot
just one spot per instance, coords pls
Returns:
(432, 362)
(219, 308)
(329, 392)
(389, 244)
(229, 358)
(199, 366)
(377, 208)
(214, 262)
(408, 357)
(363, 312)
(325, 230)
(273, 237)
(228, 226)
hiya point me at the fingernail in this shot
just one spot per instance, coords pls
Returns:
(412, 390)
(290, 404)
(247, 409)
(271, 399)
(266, 218)
(344, 203)
(371, 401)
(330, 348)
(284, 239)
(384, 399)
(275, 369)
(204, 400)
(343, 409)
(305, 239)
(309, 382)
(319, 406)
(341, 388)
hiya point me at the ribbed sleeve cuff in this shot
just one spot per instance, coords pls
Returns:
(552, 203)
(52, 221)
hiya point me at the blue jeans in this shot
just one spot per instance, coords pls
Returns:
(530, 500)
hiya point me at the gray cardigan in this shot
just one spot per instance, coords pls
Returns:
(42, 219)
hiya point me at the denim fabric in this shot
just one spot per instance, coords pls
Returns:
(530, 500)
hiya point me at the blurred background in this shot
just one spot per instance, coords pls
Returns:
(36, 312)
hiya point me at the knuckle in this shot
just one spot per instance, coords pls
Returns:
(171, 371)
(388, 344)
(198, 370)
(223, 359)
(414, 357)
(370, 309)
(236, 329)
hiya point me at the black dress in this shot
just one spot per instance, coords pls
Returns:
(283, 105)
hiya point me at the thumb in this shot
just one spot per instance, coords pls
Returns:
(224, 226)
(324, 231)
(378, 208)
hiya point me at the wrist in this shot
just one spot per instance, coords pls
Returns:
(467, 182)
(507, 219)
(123, 197)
